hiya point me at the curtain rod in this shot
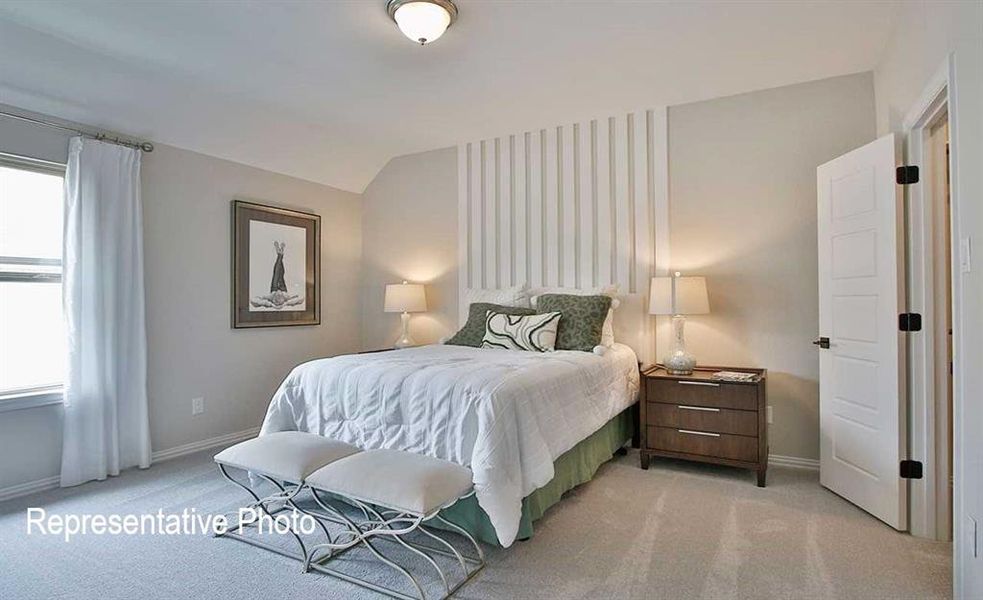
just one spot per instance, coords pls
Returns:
(102, 137)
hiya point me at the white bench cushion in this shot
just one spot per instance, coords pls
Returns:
(403, 481)
(287, 455)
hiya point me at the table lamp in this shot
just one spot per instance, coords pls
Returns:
(678, 296)
(405, 298)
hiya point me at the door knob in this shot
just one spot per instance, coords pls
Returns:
(822, 342)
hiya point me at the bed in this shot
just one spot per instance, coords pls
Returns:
(529, 425)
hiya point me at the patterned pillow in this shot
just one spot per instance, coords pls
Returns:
(474, 330)
(536, 333)
(607, 332)
(583, 319)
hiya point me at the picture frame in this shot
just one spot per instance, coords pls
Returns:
(276, 266)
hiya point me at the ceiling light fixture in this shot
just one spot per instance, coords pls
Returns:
(422, 21)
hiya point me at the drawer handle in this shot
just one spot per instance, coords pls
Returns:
(703, 408)
(703, 383)
(698, 433)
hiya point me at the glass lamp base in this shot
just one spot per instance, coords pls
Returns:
(405, 341)
(680, 363)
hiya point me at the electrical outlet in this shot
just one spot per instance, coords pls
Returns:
(770, 415)
(197, 406)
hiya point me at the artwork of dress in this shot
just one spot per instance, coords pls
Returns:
(275, 266)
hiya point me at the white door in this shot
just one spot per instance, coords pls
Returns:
(861, 389)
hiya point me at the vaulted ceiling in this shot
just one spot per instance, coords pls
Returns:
(330, 91)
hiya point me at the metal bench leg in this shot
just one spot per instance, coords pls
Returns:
(411, 548)
(363, 537)
(462, 531)
(289, 500)
(261, 504)
(449, 546)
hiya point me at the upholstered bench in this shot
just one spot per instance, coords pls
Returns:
(284, 460)
(397, 493)
(414, 484)
(286, 456)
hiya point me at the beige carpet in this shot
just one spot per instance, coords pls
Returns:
(682, 530)
(676, 531)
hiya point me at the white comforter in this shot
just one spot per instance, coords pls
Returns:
(505, 414)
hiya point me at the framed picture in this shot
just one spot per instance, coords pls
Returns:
(275, 266)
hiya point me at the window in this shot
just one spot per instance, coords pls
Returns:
(32, 328)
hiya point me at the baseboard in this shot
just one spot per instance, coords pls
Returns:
(50, 483)
(31, 487)
(221, 440)
(793, 461)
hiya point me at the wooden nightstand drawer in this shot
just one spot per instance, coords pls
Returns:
(702, 418)
(703, 393)
(716, 445)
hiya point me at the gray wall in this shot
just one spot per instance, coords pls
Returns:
(192, 351)
(742, 173)
(410, 232)
(743, 213)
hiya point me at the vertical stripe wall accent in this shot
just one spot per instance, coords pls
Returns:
(575, 205)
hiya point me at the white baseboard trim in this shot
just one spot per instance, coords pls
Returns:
(50, 483)
(221, 440)
(31, 487)
(793, 461)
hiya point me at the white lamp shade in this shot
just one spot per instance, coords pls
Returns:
(422, 22)
(405, 297)
(678, 296)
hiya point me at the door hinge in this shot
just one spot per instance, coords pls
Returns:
(906, 175)
(911, 469)
(910, 322)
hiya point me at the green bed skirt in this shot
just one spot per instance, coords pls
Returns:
(574, 467)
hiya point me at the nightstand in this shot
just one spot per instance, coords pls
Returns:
(696, 417)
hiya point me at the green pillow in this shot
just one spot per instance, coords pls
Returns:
(474, 330)
(582, 319)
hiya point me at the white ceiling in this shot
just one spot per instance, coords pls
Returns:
(330, 91)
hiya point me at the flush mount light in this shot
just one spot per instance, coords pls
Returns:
(422, 21)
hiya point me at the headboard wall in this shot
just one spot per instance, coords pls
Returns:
(576, 205)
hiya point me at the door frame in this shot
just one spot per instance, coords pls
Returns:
(927, 496)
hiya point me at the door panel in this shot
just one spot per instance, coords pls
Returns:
(860, 296)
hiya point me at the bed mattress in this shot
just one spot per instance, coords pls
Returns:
(505, 414)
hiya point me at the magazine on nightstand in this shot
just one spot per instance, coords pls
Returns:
(736, 376)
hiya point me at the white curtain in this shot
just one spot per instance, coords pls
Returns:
(106, 425)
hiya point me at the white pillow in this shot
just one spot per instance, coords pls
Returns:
(607, 330)
(535, 333)
(516, 295)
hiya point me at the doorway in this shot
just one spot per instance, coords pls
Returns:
(930, 293)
